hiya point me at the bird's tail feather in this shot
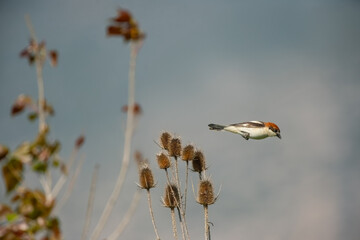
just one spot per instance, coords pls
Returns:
(216, 127)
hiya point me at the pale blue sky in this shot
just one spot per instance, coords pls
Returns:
(295, 63)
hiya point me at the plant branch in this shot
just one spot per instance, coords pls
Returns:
(127, 147)
(126, 219)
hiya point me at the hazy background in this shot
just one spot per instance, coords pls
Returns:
(295, 63)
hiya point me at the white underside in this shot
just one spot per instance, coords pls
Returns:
(255, 133)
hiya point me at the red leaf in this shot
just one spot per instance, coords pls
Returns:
(137, 109)
(53, 58)
(123, 16)
(79, 141)
(114, 31)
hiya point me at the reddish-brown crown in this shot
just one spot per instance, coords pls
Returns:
(270, 124)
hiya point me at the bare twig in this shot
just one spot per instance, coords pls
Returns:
(90, 204)
(62, 179)
(127, 146)
(126, 219)
(70, 188)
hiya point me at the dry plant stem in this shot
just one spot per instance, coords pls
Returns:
(126, 219)
(71, 184)
(152, 215)
(206, 220)
(61, 181)
(173, 221)
(127, 147)
(90, 204)
(40, 83)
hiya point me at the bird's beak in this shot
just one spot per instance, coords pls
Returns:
(278, 135)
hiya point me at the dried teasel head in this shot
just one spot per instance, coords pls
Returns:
(206, 193)
(198, 162)
(146, 178)
(171, 197)
(165, 140)
(175, 147)
(188, 153)
(163, 161)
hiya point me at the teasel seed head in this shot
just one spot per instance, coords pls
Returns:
(188, 153)
(165, 139)
(206, 193)
(175, 147)
(198, 162)
(171, 197)
(163, 161)
(146, 178)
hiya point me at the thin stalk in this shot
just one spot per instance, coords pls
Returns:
(90, 204)
(173, 221)
(186, 185)
(126, 219)
(180, 204)
(206, 220)
(70, 188)
(127, 147)
(62, 179)
(152, 215)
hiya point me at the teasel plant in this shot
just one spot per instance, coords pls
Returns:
(171, 200)
(147, 182)
(167, 159)
(206, 197)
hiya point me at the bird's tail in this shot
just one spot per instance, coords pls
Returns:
(216, 127)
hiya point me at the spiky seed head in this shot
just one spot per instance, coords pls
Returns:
(175, 147)
(171, 197)
(163, 161)
(198, 163)
(146, 178)
(206, 193)
(165, 139)
(188, 153)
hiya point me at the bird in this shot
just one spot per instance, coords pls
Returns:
(252, 129)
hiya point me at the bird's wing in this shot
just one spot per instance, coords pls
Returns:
(250, 124)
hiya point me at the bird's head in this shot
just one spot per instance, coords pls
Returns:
(274, 129)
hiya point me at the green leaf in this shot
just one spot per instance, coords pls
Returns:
(32, 116)
(39, 167)
(11, 217)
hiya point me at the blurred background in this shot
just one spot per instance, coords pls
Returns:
(295, 63)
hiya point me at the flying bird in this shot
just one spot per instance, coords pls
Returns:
(251, 129)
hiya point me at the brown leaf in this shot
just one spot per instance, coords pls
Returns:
(3, 151)
(79, 141)
(20, 104)
(137, 110)
(53, 55)
(12, 174)
(114, 31)
(123, 16)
